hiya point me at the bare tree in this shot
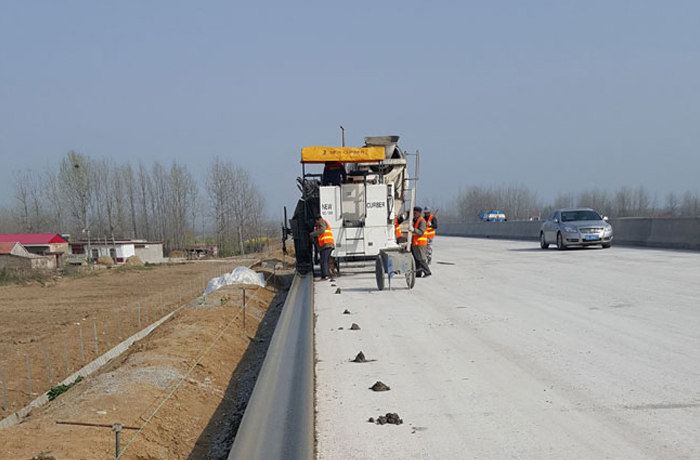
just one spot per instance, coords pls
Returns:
(690, 206)
(218, 185)
(23, 199)
(53, 197)
(144, 189)
(131, 195)
(672, 205)
(77, 188)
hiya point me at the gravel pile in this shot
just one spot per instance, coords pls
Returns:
(360, 358)
(379, 386)
(390, 418)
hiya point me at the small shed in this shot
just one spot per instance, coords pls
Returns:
(119, 250)
(202, 251)
(13, 255)
(42, 244)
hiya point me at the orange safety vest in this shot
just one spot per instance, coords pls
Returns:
(420, 240)
(327, 236)
(397, 228)
(429, 230)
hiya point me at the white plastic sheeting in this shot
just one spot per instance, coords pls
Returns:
(239, 275)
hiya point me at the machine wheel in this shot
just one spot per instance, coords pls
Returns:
(379, 272)
(560, 242)
(543, 244)
(606, 245)
(411, 275)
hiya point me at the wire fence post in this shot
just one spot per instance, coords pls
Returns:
(244, 328)
(117, 428)
(48, 365)
(94, 331)
(4, 388)
(29, 376)
(65, 353)
(119, 327)
(82, 350)
(105, 330)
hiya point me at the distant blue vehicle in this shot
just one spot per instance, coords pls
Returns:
(492, 216)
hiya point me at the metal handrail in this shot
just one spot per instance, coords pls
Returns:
(279, 420)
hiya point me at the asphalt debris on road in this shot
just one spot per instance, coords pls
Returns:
(360, 358)
(354, 327)
(391, 418)
(347, 312)
(379, 386)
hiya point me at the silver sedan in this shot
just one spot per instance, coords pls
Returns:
(575, 227)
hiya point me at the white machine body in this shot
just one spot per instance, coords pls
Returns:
(361, 217)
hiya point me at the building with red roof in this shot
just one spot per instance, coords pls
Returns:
(42, 244)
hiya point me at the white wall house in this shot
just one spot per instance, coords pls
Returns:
(119, 251)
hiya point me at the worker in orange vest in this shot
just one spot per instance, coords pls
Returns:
(397, 230)
(431, 221)
(419, 243)
(324, 237)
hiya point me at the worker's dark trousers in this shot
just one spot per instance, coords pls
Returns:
(421, 264)
(325, 261)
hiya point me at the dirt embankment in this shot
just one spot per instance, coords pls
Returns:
(56, 328)
(186, 384)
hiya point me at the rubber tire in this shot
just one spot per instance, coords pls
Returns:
(411, 275)
(560, 242)
(379, 273)
(606, 246)
(543, 245)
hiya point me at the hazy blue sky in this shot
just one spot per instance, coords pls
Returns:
(556, 95)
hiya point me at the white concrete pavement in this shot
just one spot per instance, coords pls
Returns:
(515, 353)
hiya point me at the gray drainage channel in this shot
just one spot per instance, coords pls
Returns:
(279, 419)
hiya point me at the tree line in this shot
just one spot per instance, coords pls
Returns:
(85, 197)
(520, 203)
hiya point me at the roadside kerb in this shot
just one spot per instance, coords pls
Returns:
(278, 422)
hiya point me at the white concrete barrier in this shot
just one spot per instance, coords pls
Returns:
(674, 233)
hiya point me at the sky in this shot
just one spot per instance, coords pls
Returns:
(559, 96)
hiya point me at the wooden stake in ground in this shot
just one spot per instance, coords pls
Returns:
(29, 376)
(4, 388)
(48, 365)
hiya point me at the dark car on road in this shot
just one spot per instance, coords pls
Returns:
(576, 227)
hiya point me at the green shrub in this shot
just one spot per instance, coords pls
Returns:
(54, 392)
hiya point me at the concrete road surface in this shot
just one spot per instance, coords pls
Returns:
(512, 352)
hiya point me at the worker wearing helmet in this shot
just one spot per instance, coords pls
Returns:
(323, 235)
(432, 224)
(419, 243)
